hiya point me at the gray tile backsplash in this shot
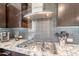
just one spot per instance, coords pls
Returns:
(73, 32)
(17, 31)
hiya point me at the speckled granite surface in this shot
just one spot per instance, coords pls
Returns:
(66, 50)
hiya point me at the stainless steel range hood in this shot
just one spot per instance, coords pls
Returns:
(38, 15)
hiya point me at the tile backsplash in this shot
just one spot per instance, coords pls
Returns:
(17, 31)
(73, 32)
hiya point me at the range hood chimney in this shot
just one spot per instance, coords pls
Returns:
(38, 12)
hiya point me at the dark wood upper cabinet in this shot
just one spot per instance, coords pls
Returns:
(11, 15)
(8, 15)
(2, 15)
(25, 8)
(68, 14)
(12, 12)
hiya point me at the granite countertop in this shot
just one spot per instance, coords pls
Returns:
(67, 50)
(11, 45)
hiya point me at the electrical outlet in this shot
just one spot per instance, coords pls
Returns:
(69, 40)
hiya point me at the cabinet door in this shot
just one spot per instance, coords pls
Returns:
(2, 15)
(13, 9)
(24, 7)
(68, 14)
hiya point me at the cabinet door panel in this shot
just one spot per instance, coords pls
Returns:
(2, 15)
(12, 11)
(68, 14)
(24, 7)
